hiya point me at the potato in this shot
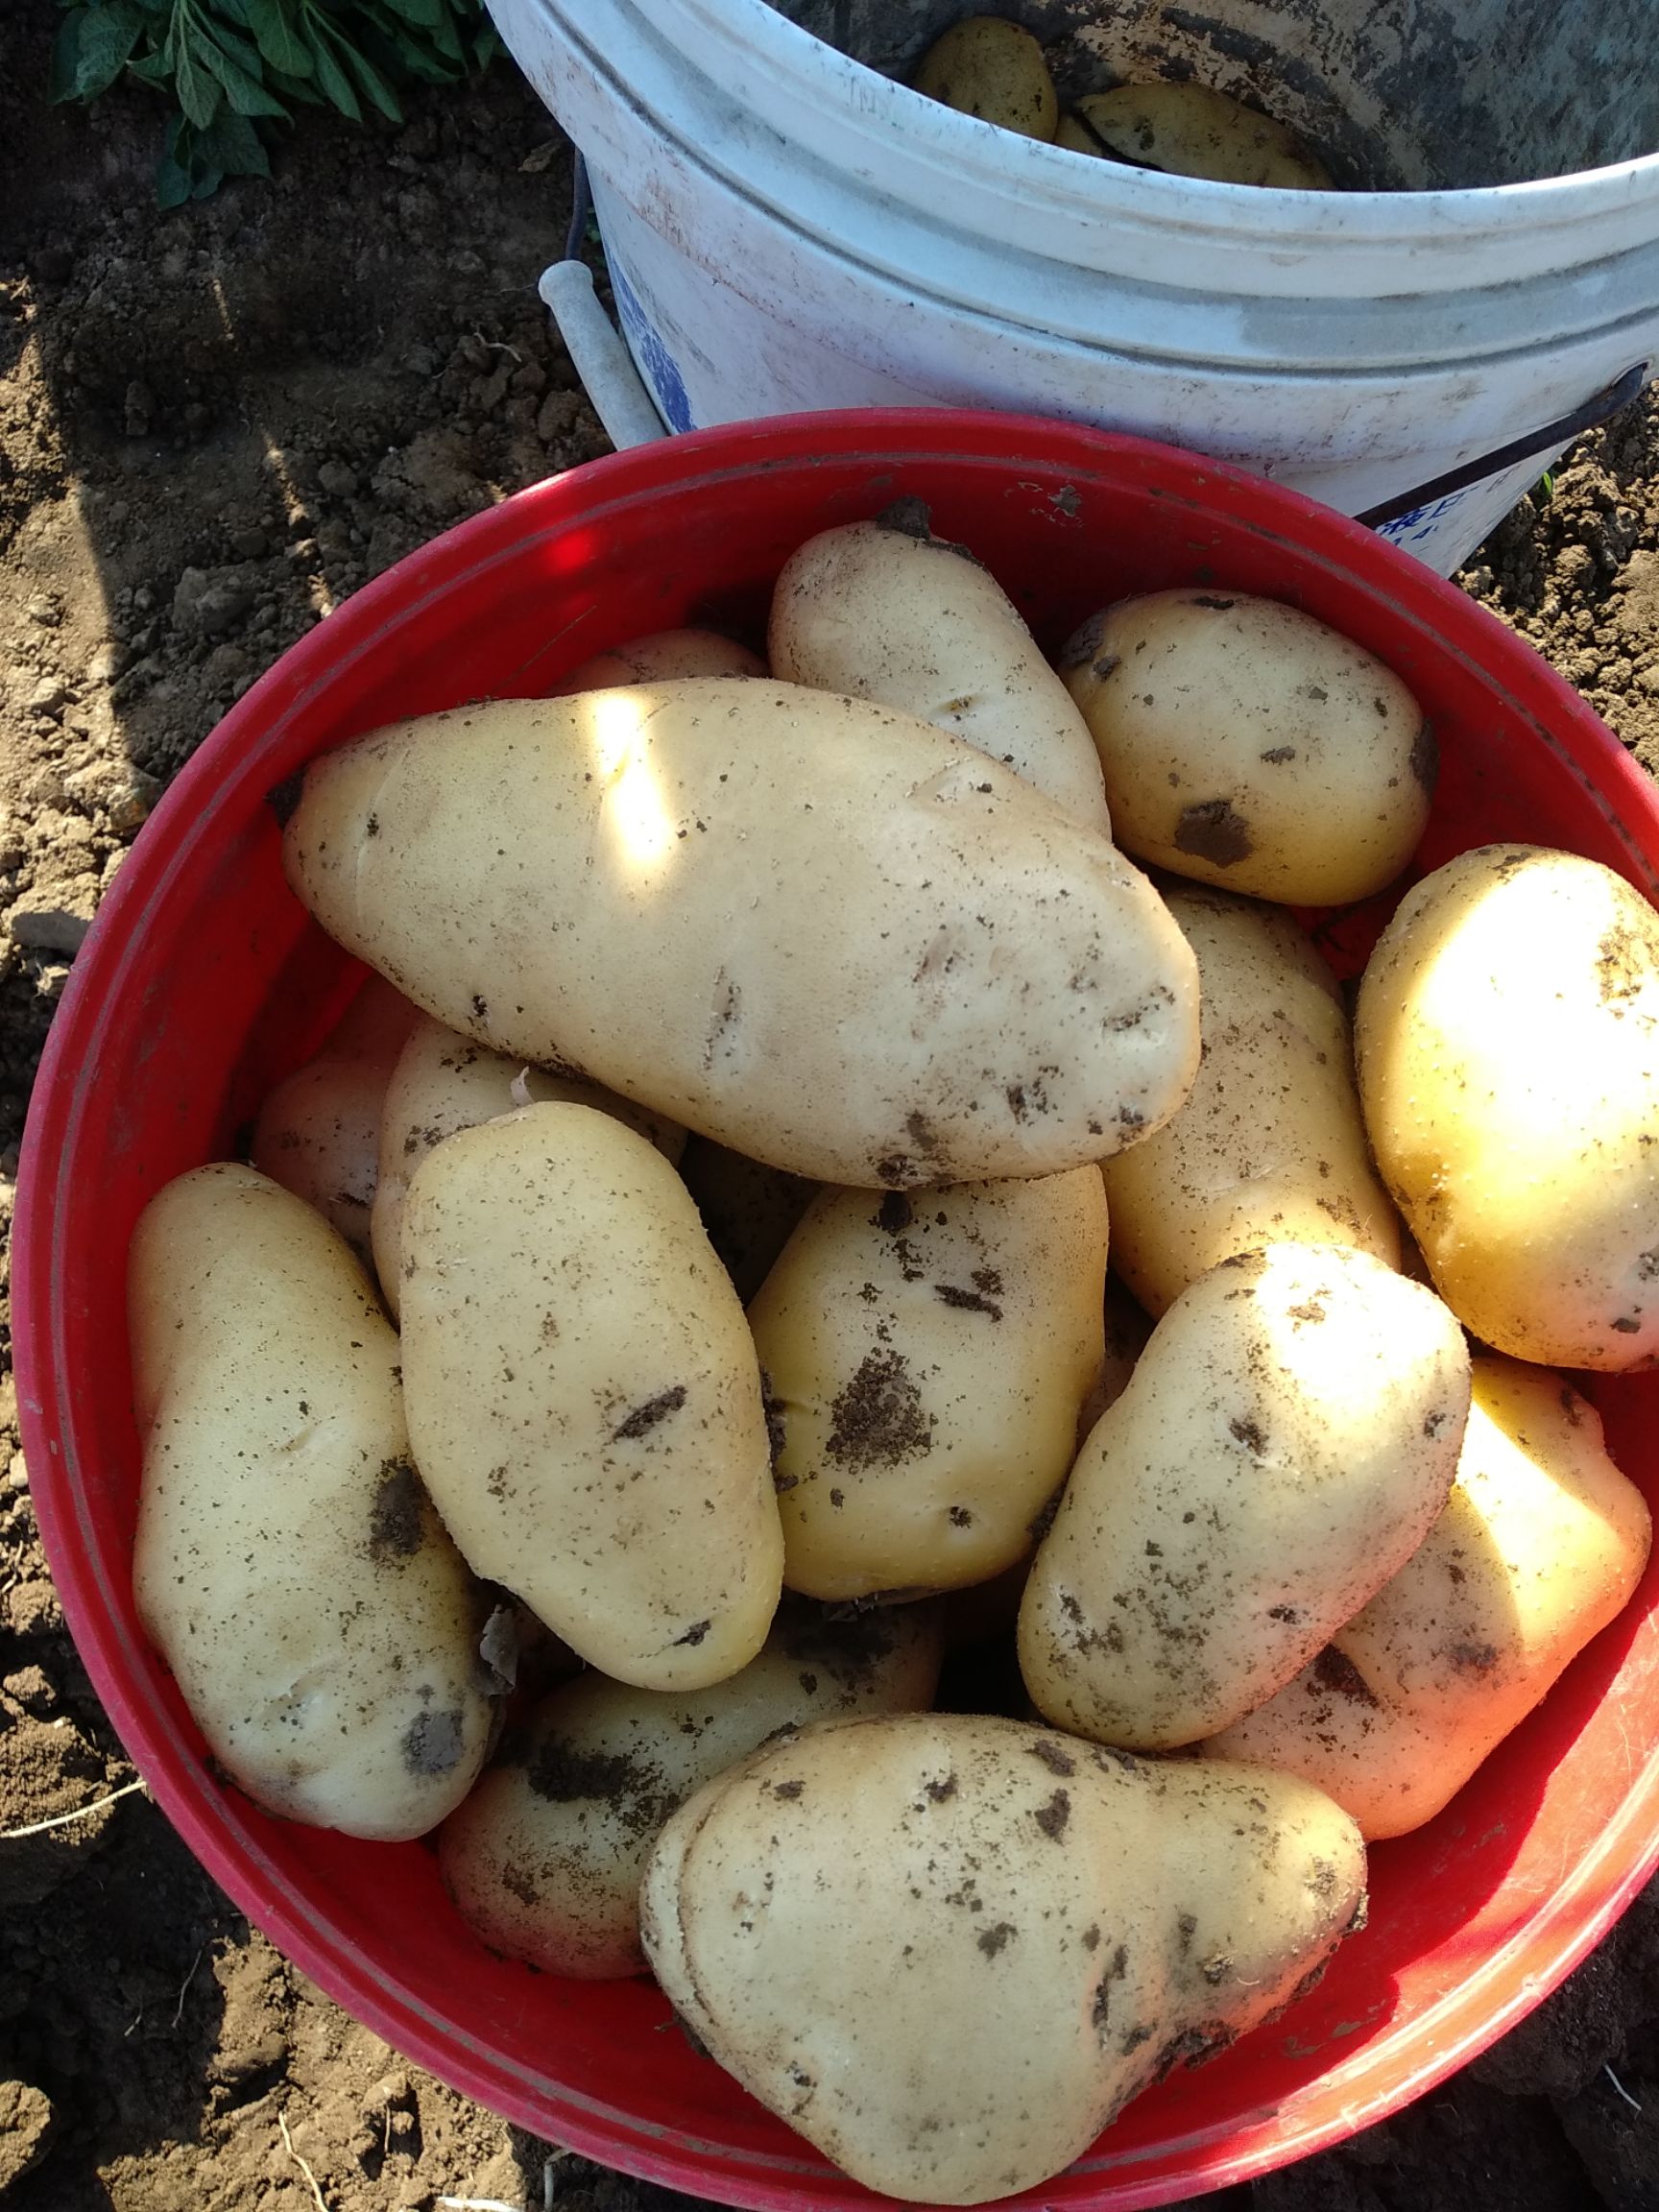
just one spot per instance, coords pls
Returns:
(318, 1132)
(1246, 744)
(948, 1949)
(747, 1209)
(1285, 1442)
(1541, 1542)
(924, 1361)
(988, 68)
(1190, 130)
(821, 932)
(444, 1082)
(289, 1567)
(884, 610)
(664, 653)
(545, 1856)
(1509, 1043)
(584, 1398)
(1270, 1146)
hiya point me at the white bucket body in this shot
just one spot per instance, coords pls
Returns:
(788, 228)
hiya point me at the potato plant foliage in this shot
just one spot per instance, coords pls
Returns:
(236, 68)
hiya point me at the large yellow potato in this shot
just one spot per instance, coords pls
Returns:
(818, 931)
(1541, 1542)
(545, 1856)
(288, 1566)
(584, 1398)
(444, 1082)
(948, 1949)
(1507, 1033)
(884, 610)
(1248, 745)
(925, 1360)
(1190, 129)
(1270, 1144)
(995, 69)
(1285, 1442)
(318, 1133)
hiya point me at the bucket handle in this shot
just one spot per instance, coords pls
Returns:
(615, 390)
(1550, 439)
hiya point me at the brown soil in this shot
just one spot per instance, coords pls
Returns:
(213, 426)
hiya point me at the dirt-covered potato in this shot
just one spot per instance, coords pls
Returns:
(1270, 1146)
(444, 1082)
(884, 610)
(1539, 1546)
(663, 653)
(948, 1949)
(926, 1357)
(992, 68)
(545, 1856)
(1507, 1033)
(747, 1207)
(584, 1396)
(822, 932)
(288, 1566)
(1285, 1442)
(318, 1133)
(1248, 745)
(1189, 130)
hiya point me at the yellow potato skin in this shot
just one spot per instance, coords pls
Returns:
(1285, 1442)
(584, 1398)
(1541, 1544)
(1191, 131)
(925, 1358)
(545, 1856)
(823, 933)
(948, 1949)
(1507, 1033)
(318, 1133)
(663, 653)
(1248, 745)
(444, 1082)
(288, 1565)
(989, 67)
(883, 612)
(1270, 1146)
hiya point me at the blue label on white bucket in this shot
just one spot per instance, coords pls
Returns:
(657, 365)
(1419, 526)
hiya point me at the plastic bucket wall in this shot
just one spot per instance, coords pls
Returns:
(203, 983)
(789, 229)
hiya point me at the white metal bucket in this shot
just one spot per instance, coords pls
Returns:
(789, 229)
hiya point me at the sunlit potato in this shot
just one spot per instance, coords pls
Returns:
(884, 610)
(444, 1082)
(821, 932)
(1541, 1544)
(948, 1949)
(1507, 1032)
(925, 1358)
(1270, 1144)
(1286, 1439)
(584, 1398)
(288, 1565)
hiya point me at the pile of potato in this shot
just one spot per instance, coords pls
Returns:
(759, 1065)
(994, 68)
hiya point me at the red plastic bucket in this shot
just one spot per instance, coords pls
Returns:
(203, 983)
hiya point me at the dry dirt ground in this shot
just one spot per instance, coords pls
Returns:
(213, 426)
